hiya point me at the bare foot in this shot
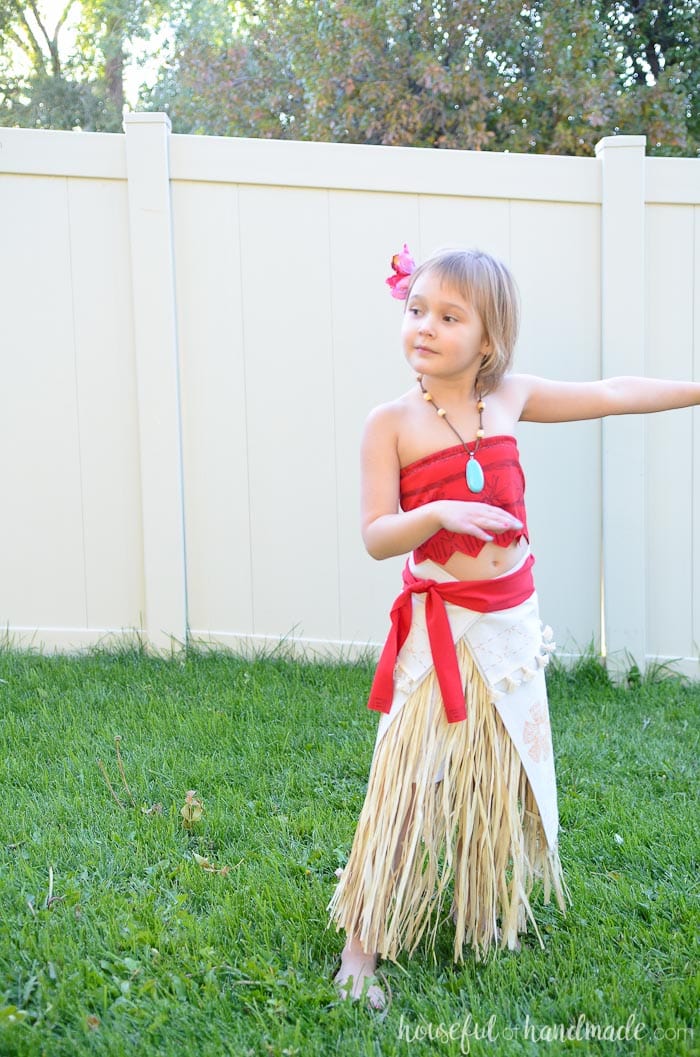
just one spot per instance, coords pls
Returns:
(356, 978)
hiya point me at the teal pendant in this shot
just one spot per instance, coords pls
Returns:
(475, 475)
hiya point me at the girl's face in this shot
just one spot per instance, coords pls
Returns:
(442, 334)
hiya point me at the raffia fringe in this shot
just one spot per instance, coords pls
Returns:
(476, 830)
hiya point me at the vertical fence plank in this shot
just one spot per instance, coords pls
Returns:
(290, 413)
(107, 407)
(155, 340)
(669, 496)
(555, 255)
(695, 569)
(622, 284)
(42, 488)
(214, 414)
(476, 223)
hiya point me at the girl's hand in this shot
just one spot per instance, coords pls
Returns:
(475, 519)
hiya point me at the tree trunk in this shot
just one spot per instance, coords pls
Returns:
(114, 64)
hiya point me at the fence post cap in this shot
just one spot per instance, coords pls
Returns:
(620, 141)
(142, 117)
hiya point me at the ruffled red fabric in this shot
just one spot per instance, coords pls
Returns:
(442, 476)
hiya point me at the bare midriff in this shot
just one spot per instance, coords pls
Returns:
(491, 561)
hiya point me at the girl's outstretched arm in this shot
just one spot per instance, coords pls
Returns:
(548, 401)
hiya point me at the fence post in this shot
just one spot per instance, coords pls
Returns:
(157, 374)
(623, 439)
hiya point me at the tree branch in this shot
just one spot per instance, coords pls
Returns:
(51, 44)
(12, 35)
(63, 18)
(33, 48)
(37, 16)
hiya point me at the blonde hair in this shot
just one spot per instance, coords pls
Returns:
(487, 284)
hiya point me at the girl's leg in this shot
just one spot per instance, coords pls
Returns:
(355, 961)
(357, 969)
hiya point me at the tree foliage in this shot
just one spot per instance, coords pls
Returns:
(544, 76)
(59, 88)
(523, 75)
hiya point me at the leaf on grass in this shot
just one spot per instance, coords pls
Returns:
(210, 867)
(192, 809)
(154, 809)
(92, 1022)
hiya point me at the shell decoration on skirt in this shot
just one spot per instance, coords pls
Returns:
(466, 811)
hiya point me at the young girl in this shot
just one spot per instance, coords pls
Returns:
(461, 793)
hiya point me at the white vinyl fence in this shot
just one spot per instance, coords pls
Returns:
(194, 329)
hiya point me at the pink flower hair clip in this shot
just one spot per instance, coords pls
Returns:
(404, 266)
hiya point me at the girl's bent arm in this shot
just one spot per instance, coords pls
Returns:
(548, 401)
(390, 534)
(387, 530)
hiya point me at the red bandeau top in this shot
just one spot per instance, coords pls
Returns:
(442, 476)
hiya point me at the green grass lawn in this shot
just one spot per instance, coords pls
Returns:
(115, 939)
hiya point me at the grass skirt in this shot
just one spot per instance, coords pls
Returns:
(449, 823)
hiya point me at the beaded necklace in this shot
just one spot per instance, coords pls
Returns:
(473, 471)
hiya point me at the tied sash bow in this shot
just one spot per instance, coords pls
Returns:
(483, 596)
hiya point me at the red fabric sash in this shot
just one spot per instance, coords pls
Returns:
(483, 596)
